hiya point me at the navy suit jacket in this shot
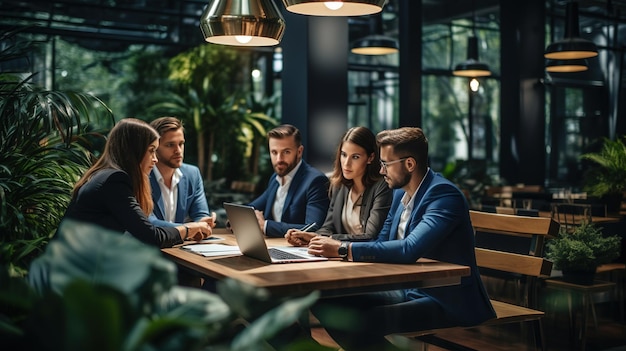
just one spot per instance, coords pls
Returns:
(439, 228)
(306, 202)
(191, 202)
(107, 200)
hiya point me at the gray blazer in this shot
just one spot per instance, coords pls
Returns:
(375, 206)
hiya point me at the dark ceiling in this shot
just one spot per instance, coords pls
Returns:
(112, 25)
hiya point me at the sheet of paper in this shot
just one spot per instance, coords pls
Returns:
(213, 249)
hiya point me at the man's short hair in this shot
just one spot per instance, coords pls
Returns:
(167, 124)
(284, 131)
(406, 142)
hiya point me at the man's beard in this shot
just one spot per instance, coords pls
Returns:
(398, 185)
(170, 164)
(289, 168)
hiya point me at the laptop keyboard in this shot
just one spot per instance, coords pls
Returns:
(282, 255)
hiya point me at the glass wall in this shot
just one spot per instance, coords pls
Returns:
(582, 107)
(461, 123)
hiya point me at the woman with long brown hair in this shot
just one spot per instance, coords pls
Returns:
(359, 196)
(115, 192)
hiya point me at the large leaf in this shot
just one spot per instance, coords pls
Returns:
(272, 322)
(90, 253)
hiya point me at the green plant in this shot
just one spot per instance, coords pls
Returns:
(48, 140)
(608, 175)
(583, 249)
(98, 290)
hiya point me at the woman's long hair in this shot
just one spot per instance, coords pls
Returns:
(124, 150)
(364, 138)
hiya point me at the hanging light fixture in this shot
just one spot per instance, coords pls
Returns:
(376, 43)
(335, 7)
(242, 23)
(566, 66)
(572, 46)
(472, 67)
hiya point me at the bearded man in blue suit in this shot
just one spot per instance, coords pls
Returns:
(429, 217)
(177, 187)
(297, 193)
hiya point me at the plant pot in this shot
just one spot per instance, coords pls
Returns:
(579, 277)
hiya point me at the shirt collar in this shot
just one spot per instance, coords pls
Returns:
(178, 174)
(409, 200)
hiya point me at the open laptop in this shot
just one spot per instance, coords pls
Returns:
(251, 239)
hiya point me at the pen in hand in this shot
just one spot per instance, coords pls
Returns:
(308, 227)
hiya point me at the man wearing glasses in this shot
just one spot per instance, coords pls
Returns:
(429, 217)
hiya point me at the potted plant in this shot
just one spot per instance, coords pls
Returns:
(607, 177)
(577, 254)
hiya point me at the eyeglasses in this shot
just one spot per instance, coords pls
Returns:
(385, 164)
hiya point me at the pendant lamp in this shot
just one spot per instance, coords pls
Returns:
(335, 7)
(376, 43)
(566, 66)
(572, 46)
(472, 67)
(242, 23)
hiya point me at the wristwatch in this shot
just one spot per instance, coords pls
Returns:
(343, 250)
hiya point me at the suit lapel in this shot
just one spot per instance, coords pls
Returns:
(393, 235)
(273, 186)
(339, 203)
(157, 197)
(181, 202)
(293, 187)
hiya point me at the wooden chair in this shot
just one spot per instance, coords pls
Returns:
(570, 215)
(527, 263)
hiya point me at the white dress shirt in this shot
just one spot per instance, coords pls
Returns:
(408, 202)
(351, 215)
(281, 192)
(169, 196)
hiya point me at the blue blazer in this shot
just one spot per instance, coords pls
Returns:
(307, 201)
(439, 228)
(191, 203)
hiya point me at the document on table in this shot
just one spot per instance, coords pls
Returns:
(213, 249)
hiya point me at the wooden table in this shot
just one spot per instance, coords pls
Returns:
(594, 219)
(579, 335)
(331, 278)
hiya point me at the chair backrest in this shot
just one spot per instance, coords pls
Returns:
(502, 225)
(513, 245)
(571, 215)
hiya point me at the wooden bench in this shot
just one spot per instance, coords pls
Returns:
(527, 263)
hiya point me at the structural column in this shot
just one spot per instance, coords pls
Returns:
(315, 83)
(522, 115)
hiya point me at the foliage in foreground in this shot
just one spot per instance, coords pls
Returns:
(97, 290)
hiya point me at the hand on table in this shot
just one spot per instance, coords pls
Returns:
(198, 230)
(297, 237)
(212, 221)
(324, 246)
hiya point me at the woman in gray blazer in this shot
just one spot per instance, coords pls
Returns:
(359, 196)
